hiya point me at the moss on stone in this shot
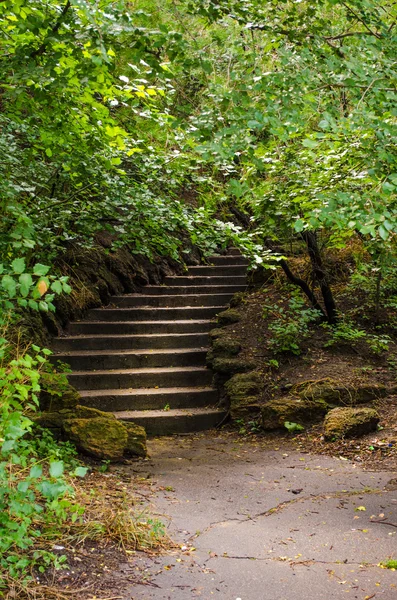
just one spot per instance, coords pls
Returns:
(226, 347)
(237, 299)
(295, 410)
(244, 407)
(244, 384)
(217, 333)
(228, 317)
(99, 437)
(223, 347)
(337, 394)
(230, 366)
(136, 442)
(350, 422)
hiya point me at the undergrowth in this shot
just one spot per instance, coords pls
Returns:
(44, 498)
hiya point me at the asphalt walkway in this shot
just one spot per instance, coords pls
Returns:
(255, 523)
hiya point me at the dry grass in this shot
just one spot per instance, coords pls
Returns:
(115, 521)
(113, 514)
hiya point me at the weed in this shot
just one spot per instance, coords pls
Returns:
(289, 325)
(344, 331)
(292, 427)
(104, 468)
(389, 564)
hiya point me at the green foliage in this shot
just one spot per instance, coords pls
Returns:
(35, 497)
(289, 325)
(33, 289)
(344, 332)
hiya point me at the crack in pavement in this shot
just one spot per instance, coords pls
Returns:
(286, 504)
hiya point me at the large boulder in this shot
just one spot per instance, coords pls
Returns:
(96, 433)
(337, 394)
(295, 410)
(350, 422)
(99, 437)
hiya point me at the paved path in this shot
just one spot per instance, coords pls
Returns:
(267, 524)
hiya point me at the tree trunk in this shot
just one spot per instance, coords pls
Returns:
(310, 238)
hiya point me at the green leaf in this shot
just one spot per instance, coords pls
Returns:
(384, 234)
(56, 286)
(18, 265)
(26, 283)
(36, 471)
(33, 304)
(56, 468)
(40, 270)
(299, 225)
(9, 285)
(80, 471)
(308, 143)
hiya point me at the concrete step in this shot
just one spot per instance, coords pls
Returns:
(218, 271)
(154, 314)
(167, 290)
(141, 378)
(149, 399)
(160, 422)
(219, 280)
(130, 342)
(88, 360)
(234, 251)
(171, 300)
(139, 327)
(227, 259)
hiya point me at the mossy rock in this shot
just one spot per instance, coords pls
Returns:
(237, 299)
(350, 422)
(230, 366)
(217, 333)
(55, 418)
(244, 384)
(223, 347)
(136, 442)
(295, 410)
(228, 317)
(86, 412)
(100, 437)
(226, 347)
(337, 394)
(244, 407)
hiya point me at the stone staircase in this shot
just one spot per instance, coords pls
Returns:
(143, 357)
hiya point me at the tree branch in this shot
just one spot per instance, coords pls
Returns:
(41, 49)
(349, 8)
